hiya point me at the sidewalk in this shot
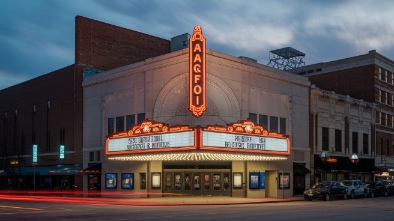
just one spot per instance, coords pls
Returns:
(200, 200)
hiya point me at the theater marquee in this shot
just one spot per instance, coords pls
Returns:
(197, 81)
(244, 137)
(153, 137)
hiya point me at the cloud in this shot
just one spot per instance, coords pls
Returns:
(363, 24)
(8, 79)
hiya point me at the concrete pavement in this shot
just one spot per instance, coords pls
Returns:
(199, 200)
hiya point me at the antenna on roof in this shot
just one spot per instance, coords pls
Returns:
(286, 58)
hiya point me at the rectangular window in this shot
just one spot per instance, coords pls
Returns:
(355, 142)
(380, 117)
(111, 126)
(119, 124)
(274, 124)
(365, 143)
(140, 118)
(385, 76)
(263, 121)
(325, 140)
(388, 98)
(392, 78)
(130, 121)
(91, 156)
(98, 158)
(253, 117)
(383, 119)
(282, 126)
(380, 74)
(338, 141)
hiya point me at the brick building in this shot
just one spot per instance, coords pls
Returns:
(47, 111)
(369, 77)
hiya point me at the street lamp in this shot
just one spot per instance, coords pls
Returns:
(354, 158)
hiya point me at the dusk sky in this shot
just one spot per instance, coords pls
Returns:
(37, 37)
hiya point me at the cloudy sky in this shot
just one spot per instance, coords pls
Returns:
(37, 37)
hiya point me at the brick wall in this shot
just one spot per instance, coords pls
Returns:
(358, 82)
(56, 87)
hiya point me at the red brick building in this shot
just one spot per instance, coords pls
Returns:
(369, 77)
(47, 111)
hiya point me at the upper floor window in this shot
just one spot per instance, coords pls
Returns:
(120, 124)
(325, 138)
(355, 142)
(111, 126)
(253, 117)
(365, 143)
(338, 140)
(274, 124)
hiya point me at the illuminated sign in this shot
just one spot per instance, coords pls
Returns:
(197, 75)
(14, 162)
(35, 154)
(62, 152)
(152, 137)
(331, 160)
(244, 137)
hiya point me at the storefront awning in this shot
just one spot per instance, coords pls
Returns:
(300, 168)
(334, 164)
(366, 166)
(93, 168)
(43, 170)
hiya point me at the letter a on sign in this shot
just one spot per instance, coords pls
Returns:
(197, 88)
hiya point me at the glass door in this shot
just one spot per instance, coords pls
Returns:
(196, 184)
(178, 181)
(207, 190)
(168, 182)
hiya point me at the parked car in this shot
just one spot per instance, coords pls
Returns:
(354, 188)
(389, 186)
(376, 188)
(326, 191)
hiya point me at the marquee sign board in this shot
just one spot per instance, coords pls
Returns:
(151, 137)
(244, 137)
(197, 75)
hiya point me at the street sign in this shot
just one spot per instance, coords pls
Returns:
(35, 153)
(62, 152)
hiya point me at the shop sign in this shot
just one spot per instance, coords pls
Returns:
(332, 160)
(197, 75)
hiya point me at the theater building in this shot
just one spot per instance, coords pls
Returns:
(197, 122)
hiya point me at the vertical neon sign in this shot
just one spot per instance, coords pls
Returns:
(197, 89)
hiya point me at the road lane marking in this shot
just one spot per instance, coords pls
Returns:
(19, 207)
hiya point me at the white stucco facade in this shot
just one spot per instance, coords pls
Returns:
(158, 88)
